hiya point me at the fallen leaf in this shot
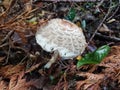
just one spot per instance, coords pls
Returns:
(2, 59)
(109, 73)
(6, 3)
(32, 68)
(71, 14)
(111, 20)
(90, 81)
(9, 70)
(94, 57)
(19, 82)
(104, 28)
(3, 85)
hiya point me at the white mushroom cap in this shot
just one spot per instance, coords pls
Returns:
(61, 35)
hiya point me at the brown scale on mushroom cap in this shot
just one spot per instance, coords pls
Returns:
(61, 35)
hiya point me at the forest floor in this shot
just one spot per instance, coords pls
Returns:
(22, 60)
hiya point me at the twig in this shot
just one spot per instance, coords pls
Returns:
(10, 3)
(109, 10)
(60, 84)
(7, 36)
(24, 58)
(100, 3)
(8, 55)
(5, 44)
(114, 13)
(108, 37)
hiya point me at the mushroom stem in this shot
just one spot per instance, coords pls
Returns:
(52, 60)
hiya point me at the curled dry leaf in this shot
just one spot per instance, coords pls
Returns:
(104, 28)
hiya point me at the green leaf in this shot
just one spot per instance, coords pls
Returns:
(32, 20)
(71, 14)
(94, 57)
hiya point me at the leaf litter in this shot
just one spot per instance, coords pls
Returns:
(22, 60)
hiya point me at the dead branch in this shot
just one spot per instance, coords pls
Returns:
(108, 37)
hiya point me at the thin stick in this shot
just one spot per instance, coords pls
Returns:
(100, 3)
(7, 36)
(8, 54)
(109, 10)
(108, 37)
(5, 12)
(114, 12)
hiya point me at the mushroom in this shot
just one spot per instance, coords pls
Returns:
(61, 36)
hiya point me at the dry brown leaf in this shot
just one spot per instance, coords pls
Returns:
(17, 22)
(9, 70)
(115, 50)
(3, 85)
(33, 68)
(112, 64)
(94, 87)
(113, 59)
(28, 7)
(22, 36)
(104, 28)
(90, 81)
(6, 3)
(18, 82)
(111, 72)
(2, 59)
(15, 80)
(111, 20)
